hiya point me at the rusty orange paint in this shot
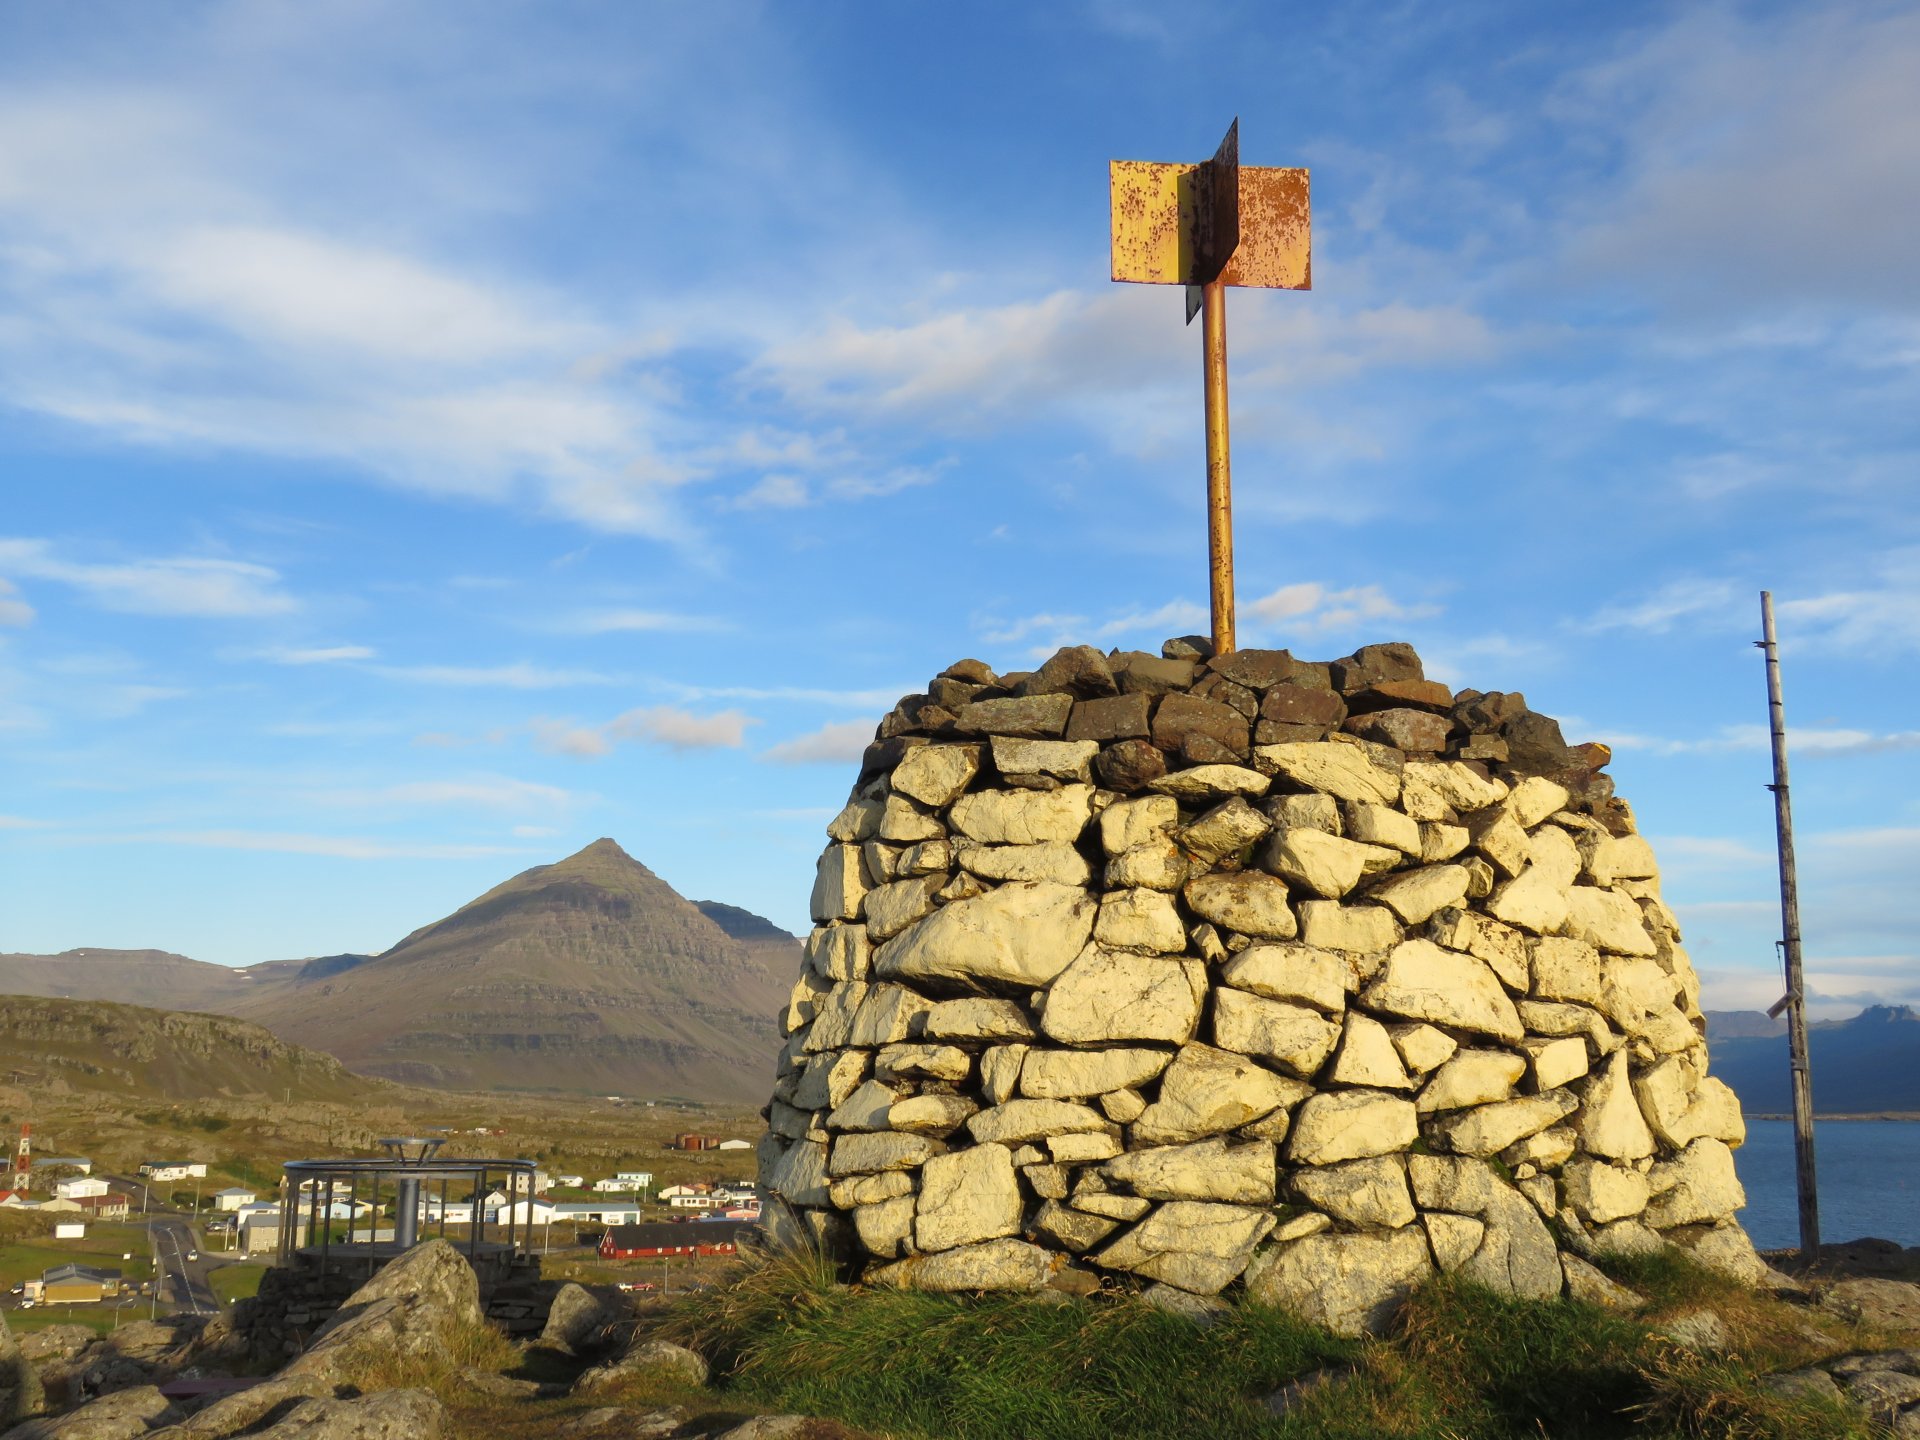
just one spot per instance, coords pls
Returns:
(1153, 225)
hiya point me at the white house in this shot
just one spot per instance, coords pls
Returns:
(259, 1228)
(615, 1185)
(635, 1178)
(570, 1182)
(675, 1193)
(736, 1144)
(450, 1212)
(80, 1187)
(524, 1212)
(70, 1230)
(599, 1213)
(233, 1198)
(174, 1169)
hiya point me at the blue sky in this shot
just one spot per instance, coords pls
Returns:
(433, 436)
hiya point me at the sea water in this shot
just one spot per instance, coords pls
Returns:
(1869, 1181)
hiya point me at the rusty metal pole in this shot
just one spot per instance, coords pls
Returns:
(1213, 347)
(1796, 999)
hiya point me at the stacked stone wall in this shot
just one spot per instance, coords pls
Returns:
(1242, 975)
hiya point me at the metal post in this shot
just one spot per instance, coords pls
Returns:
(1796, 1000)
(1213, 346)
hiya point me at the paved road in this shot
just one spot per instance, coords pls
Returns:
(184, 1284)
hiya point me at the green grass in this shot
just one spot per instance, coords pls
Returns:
(94, 1317)
(1461, 1363)
(102, 1246)
(236, 1281)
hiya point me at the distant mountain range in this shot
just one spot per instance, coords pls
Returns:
(1867, 1064)
(588, 975)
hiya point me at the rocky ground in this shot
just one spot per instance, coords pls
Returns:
(410, 1357)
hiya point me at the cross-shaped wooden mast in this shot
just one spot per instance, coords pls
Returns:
(1206, 227)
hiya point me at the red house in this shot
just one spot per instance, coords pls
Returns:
(660, 1238)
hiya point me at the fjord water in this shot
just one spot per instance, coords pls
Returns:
(1869, 1172)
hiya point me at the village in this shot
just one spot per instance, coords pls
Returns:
(79, 1245)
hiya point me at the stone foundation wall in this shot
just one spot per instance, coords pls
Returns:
(1308, 979)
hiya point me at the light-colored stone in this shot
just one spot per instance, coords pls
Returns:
(1497, 836)
(1420, 981)
(1489, 1129)
(1192, 1245)
(978, 1018)
(840, 951)
(1143, 920)
(1471, 1077)
(1698, 1185)
(865, 1109)
(936, 774)
(903, 822)
(1049, 1182)
(1554, 1018)
(1607, 920)
(1626, 1237)
(1610, 1123)
(1378, 825)
(1074, 1074)
(1355, 929)
(1105, 996)
(1204, 1170)
(859, 821)
(1298, 1227)
(1207, 1092)
(1295, 1037)
(1021, 933)
(1323, 864)
(1292, 972)
(1502, 947)
(1517, 1255)
(1454, 1238)
(1345, 772)
(887, 1013)
(1055, 863)
(1440, 842)
(1608, 859)
(1600, 1193)
(804, 1000)
(891, 908)
(1082, 1149)
(800, 1174)
(1422, 1047)
(929, 857)
(967, 1197)
(1534, 799)
(1000, 1072)
(1361, 1193)
(1590, 1286)
(1211, 782)
(1350, 1125)
(1058, 759)
(1021, 1120)
(856, 1154)
(1123, 1107)
(996, 1265)
(840, 884)
(1315, 812)
(1251, 903)
(1157, 865)
(1556, 1062)
(1548, 1150)
(1459, 1183)
(1568, 969)
(1351, 1284)
(829, 1079)
(1074, 1231)
(1112, 1207)
(1226, 829)
(1414, 895)
(885, 1228)
(883, 860)
(1128, 824)
(1023, 817)
(935, 1115)
(1367, 1057)
(1535, 902)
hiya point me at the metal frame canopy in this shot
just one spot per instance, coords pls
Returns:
(1208, 226)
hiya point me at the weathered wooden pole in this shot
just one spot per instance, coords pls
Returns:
(1796, 999)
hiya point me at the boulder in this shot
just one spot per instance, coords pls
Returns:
(1420, 981)
(1361, 1193)
(1345, 772)
(1193, 1246)
(936, 774)
(1105, 996)
(20, 1391)
(994, 1265)
(1072, 1074)
(1204, 1170)
(651, 1358)
(1021, 933)
(411, 1310)
(574, 1319)
(967, 1197)
(1296, 1038)
(1350, 1125)
(1297, 973)
(1248, 902)
(1517, 1255)
(1353, 1284)
(1207, 1091)
(1323, 864)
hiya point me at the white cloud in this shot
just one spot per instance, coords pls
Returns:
(487, 792)
(1310, 608)
(518, 676)
(1679, 600)
(339, 847)
(614, 622)
(20, 822)
(838, 743)
(1801, 740)
(178, 586)
(314, 655)
(775, 492)
(13, 611)
(667, 725)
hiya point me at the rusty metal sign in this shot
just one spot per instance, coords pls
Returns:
(1209, 226)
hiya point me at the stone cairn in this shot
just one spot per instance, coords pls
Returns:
(1305, 979)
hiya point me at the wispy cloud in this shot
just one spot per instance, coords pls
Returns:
(313, 655)
(1686, 600)
(518, 676)
(339, 847)
(838, 743)
(666, 725)
(1801, 740)
(13, 610)
(1311, 608)
(483, 792)
(625, 621)
(175, 586)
